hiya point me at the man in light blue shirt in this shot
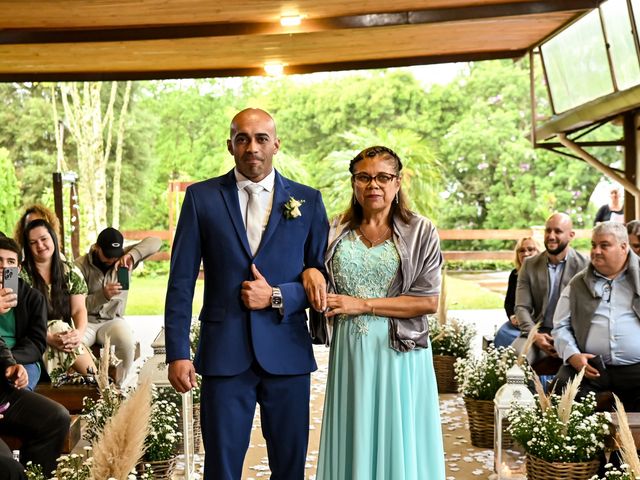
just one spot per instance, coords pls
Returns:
(596, 324)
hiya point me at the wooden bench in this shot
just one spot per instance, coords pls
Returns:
(634, 424)
(69, 396)
(73, 437)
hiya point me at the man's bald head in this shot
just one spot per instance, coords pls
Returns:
(252, 114)
(558, 233)
(253, 143)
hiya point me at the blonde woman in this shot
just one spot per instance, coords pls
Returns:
(509, 331)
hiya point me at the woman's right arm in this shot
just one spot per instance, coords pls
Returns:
(315, 285)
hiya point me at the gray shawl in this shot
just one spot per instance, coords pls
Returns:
(419, 274)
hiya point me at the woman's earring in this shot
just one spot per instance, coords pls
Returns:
(353, 199)
(397, 196)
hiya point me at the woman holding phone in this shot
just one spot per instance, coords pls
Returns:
(65, 290)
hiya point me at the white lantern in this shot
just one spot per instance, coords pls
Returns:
(509, 457)
(156, 370)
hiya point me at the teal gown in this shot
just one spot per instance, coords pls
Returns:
(381, 413)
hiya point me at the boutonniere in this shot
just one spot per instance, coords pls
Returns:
(292, 208)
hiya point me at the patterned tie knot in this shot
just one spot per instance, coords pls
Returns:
(253, 188)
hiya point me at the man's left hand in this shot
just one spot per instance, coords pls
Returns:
(256, 294)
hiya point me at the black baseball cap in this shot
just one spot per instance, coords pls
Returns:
(110, 242)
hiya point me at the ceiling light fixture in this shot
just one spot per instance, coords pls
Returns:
(290, 20)
(274, 69)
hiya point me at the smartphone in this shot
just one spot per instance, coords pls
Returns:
(597, 363)
(4, 407)
(123, 277)
(10, 278)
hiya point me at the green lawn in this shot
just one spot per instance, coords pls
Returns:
(147, 296)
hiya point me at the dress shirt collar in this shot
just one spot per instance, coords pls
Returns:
(267, 182)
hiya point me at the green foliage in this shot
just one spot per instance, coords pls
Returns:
(478, 265)
(9, 200)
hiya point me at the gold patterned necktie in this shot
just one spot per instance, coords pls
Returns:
(254, 216)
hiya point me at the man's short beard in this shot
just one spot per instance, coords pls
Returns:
(558, 250)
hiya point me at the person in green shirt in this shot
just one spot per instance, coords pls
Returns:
(23, 317)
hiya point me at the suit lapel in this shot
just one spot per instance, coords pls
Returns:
(280, 197)
(230, 196)
(543, 280)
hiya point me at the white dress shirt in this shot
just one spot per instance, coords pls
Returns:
(266, 195)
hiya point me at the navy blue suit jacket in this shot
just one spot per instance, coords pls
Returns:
(210, 229)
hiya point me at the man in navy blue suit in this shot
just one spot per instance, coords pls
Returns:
(254, 232)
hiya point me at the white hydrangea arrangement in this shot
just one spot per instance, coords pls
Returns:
(612, 473)
(481, 377)
(75, 467)
(453, 338)
(560, 429)
(163, 431)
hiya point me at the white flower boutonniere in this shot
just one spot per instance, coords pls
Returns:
(292, 208)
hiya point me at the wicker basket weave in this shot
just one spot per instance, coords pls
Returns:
(538, 469)
(481, 421)
(445, 375)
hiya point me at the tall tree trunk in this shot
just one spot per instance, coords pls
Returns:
(83, 111)
(117, 170)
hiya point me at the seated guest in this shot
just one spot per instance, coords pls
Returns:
(633, 229)
(40, 423)
(65, 290)
(540, 281)
(35, 212)
(596, 324)
(107, 300)
(509, 331)
(23, 317)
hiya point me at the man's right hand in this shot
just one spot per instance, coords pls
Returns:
(581, 360)
(17, 375)
(544, 342)
(182, 375)
(8, 300)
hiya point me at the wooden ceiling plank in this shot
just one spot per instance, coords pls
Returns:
(197, 29)
(386, 44)
(96, 14)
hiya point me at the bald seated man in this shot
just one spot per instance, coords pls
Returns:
(540, 281)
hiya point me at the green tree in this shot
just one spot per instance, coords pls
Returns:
(9, 200)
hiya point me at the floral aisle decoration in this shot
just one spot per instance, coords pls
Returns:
(630, 467)
(116, 450)
(450, 339)
(561, 436)
(194, 340)
(479, 379)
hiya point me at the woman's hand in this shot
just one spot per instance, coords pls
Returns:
(71, 339)
(56, 340)
(315, 285)
(344, 304)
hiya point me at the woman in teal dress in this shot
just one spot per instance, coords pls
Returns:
(381, 414)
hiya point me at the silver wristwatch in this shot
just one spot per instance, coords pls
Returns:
(276, 298)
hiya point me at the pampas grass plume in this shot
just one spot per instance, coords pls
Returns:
(442, 301)
(102, 379)
(531, 338)
(625, 441)
(121, 444)
(566, 399)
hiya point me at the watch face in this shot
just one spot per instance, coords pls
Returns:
(276, 301)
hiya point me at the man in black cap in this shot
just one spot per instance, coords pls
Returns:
(107, 299)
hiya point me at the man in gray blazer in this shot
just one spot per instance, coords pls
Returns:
(540, 281)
